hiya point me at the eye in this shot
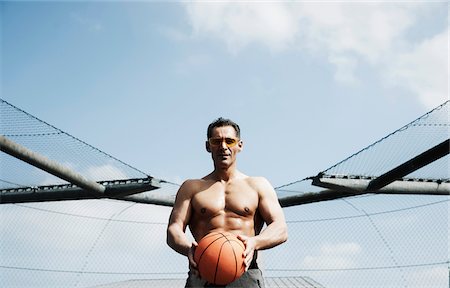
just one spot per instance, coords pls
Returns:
(230, 140)
(215, 141)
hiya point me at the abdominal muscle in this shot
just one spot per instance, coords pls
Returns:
(222, 222)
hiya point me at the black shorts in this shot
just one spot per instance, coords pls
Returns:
(252, 278)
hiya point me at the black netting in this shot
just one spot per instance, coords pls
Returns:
(400, 146)
(49, 141)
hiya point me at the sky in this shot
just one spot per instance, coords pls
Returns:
(309, 83)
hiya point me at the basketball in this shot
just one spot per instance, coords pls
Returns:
(219, 258)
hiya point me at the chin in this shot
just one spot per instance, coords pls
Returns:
(223, 164)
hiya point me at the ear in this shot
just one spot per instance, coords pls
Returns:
(208, 148)
(240, 145)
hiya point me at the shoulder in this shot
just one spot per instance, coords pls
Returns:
(268, 198)
(191, 184)
(188, 187)
(261, 184)
(258, 180)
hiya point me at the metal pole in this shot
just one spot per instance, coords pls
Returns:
(162, 200)
(114, 189)
(313, 197)
(52, 167)
(340, 188)
(396, 187)
(421, 160)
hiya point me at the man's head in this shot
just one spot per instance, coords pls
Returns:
(223, 142)
(222, 122)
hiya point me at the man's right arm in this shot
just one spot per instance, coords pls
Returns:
(179, 219)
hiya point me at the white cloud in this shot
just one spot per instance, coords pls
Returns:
(239, 24)
(333, 256)
(424, 70)
(365, 30)
(349, 34)
(95, 173)
(430, 277)
(345, 67)
(49, 179)
(108, 171)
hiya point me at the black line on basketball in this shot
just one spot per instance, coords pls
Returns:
(218, 259)
(206, 248)
(235, 259)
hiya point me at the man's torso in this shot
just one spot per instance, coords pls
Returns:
(225, 206)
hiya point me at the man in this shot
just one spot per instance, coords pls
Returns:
(227, 200)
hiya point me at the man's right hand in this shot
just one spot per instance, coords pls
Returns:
(192, 265)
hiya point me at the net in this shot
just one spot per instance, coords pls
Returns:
(59, 146)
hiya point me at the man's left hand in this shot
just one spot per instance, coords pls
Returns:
(249, 243)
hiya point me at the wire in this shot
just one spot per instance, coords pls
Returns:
(33, 134)
(87, 272)
(383, 239)
(94, 244)
(89, 217)
(9, 182)
(368, 214)
(288, 221)
(362, 268)
(268, 269)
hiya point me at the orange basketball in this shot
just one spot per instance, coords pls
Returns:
(219, 258)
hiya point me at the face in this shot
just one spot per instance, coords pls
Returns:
(223, 146)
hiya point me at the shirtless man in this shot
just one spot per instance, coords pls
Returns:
(227, 200)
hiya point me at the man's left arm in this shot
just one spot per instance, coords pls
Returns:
(276, 231)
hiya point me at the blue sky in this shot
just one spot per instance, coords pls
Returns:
(135, 70)
(309, 83)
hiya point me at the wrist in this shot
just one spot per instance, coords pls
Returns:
(256, 242)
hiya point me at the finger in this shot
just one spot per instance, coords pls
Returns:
(248, 252)
(249, 259)
(192, 262)
(249, 256)
(247, 263)
(243, 238)
(194, 270)
(193, 247)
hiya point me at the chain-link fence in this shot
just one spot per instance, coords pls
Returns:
(366, 241)
(369, 240)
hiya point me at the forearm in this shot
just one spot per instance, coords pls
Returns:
(177, 240)
(274, 234)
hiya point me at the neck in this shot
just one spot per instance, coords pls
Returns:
(224, 174)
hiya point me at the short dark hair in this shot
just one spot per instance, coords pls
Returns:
(221, 122)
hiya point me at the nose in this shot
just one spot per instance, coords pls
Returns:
(223, 144)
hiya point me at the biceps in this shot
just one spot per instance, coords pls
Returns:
(270, 209)
(180, 215)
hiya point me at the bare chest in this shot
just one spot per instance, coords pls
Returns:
(228, 200)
